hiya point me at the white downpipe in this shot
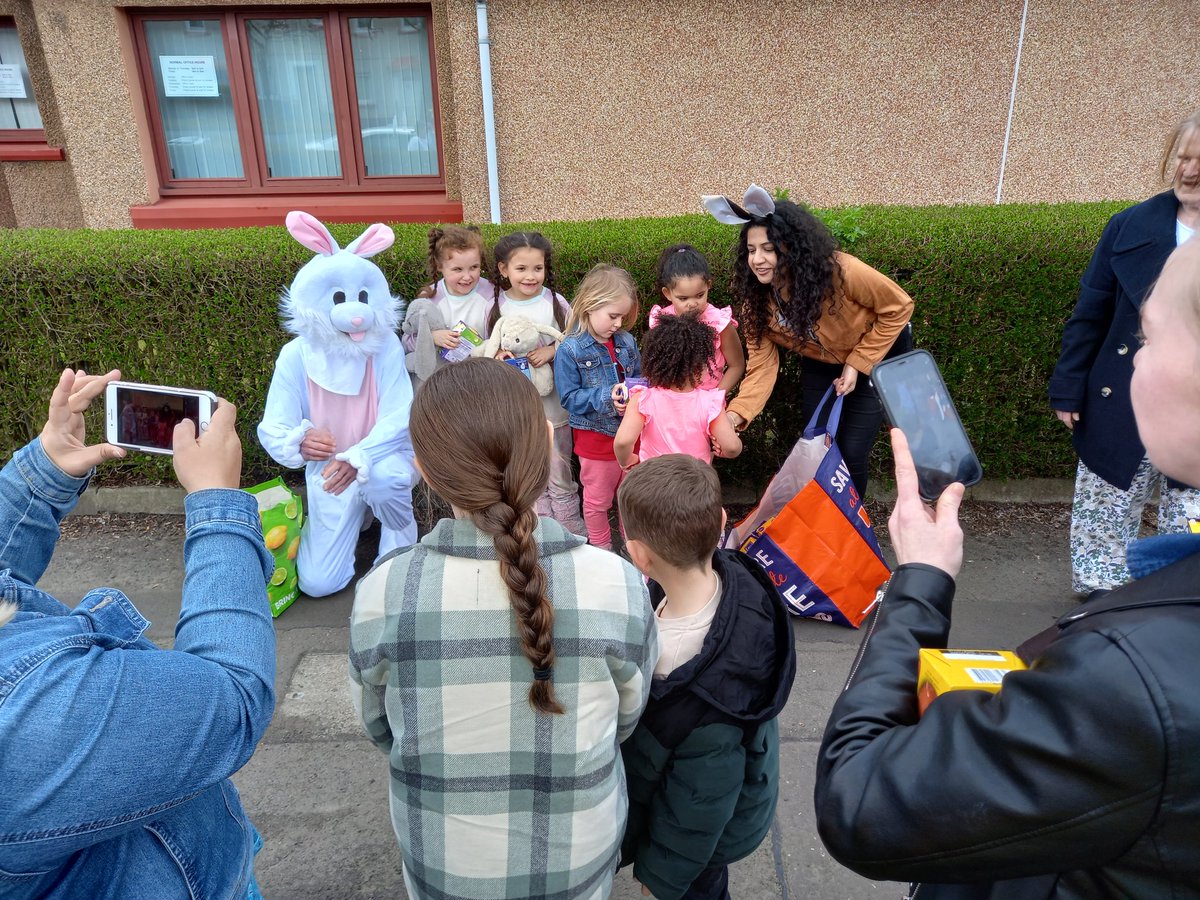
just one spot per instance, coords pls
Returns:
(489, 115)
(1012, 102)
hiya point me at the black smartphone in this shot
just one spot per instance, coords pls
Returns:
(916, 401)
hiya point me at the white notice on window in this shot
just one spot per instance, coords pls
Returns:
(11, 83)
(188, 76)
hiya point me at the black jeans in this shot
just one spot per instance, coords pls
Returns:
(862, 413)
(711, 884)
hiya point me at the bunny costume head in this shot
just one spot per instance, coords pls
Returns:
(339, 303)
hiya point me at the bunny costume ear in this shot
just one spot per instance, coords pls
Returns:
(756, 204)
(311, 233)
(374, 240)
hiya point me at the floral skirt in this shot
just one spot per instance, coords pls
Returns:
(1106, 519)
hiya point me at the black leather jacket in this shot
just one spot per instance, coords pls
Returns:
(1081, 778)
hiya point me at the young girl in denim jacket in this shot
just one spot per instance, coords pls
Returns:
(597, 355)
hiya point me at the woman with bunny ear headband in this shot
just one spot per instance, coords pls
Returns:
(799, 292)
(338, 403)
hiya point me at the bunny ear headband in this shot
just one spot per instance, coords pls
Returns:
(756, 205)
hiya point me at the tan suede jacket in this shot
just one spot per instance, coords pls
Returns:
(872, 312)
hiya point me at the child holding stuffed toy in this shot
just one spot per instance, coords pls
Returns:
(523, 285)
(684, 280)
(675, 414)
(590, 369)
(338, 404)
(455, 264)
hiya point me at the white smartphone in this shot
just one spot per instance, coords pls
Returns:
(143, 416)
(916, 401)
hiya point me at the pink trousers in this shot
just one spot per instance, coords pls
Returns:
(600, 478)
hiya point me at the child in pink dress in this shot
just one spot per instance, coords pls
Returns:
(674, 414)
(684, 280)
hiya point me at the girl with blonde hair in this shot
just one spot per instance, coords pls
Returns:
(590, 369)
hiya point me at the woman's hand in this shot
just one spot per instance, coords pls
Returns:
(847, 382)
(539, 356)
(445, 338)
(921, 533)
(735, 420)
(1067, 418)
(63, 434)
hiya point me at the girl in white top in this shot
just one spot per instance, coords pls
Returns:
(455, 264)
(523, 284)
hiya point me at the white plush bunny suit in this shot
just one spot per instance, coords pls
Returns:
(344, 372)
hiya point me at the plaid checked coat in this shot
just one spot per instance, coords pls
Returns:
(489, 798)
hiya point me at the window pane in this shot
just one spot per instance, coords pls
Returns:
(395, 95)
(191, 80)
(16, 112)
(295, 99)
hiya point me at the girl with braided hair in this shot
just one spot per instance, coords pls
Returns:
(500, 661)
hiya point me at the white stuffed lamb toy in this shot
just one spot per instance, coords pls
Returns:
(517, 335)
(339, 401)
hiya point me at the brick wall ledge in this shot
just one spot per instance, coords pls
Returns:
(237, 212)
(167, 500)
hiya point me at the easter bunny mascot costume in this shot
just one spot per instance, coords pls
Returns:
(339, 401)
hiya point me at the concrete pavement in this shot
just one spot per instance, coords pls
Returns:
(316, 787)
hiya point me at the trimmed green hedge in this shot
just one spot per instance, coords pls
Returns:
(993, 287)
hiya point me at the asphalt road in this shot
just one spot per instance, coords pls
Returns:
(316, 787)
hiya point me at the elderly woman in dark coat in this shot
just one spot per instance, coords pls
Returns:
(1089, 390)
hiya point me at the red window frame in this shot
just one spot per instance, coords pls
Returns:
(24, 143)
(256, 179)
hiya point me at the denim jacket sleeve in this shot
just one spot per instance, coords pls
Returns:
(114, 731)
(35, 496)
(577, 398)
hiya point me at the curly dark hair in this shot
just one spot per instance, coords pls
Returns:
(807, 277)
(678, 352)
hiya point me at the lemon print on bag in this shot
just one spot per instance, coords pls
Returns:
(276, 536)
(281, 512)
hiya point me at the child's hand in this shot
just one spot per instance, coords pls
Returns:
(445, 338)
(541, 356)
(502, 355)
(620, 397)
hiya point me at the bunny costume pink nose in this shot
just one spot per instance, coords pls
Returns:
(352, 318)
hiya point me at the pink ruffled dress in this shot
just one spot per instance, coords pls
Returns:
(718, 318)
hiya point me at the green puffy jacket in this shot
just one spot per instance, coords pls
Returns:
(703, 764)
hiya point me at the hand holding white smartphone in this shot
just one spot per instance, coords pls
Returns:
(916, 401)
(143, 416)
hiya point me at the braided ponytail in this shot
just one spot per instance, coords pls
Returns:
(500, 468)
